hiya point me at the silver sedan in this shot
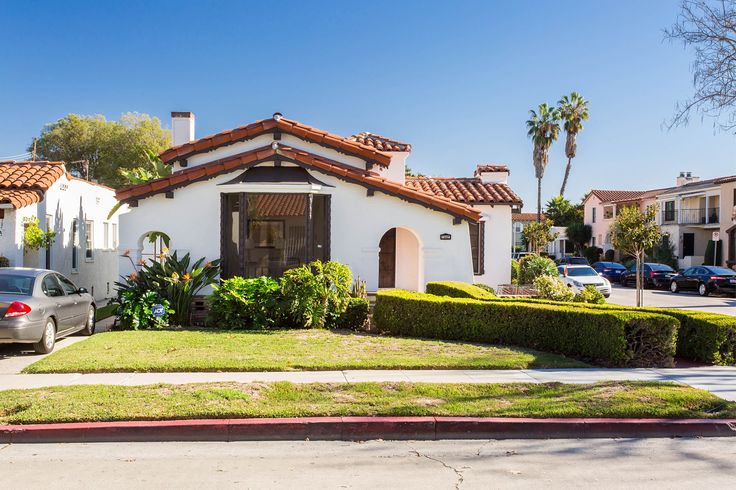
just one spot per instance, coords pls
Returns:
(39, 306)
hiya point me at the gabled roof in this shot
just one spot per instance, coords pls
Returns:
(24, 183)
(308, 160)
(277, 123)
(380, 143)
(465, 190)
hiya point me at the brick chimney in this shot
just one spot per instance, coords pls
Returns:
(182, 128)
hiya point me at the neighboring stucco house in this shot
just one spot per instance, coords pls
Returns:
(557, 248)
(85, 246)
(276, 193)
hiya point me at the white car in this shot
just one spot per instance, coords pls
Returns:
(579, 276)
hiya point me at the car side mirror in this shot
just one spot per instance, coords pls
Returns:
(82, 291)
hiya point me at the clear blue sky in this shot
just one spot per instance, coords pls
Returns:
(455, 79)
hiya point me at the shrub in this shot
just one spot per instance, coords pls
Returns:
(590, 295)
(136, 310)
(457, 289)
(533, 266)
(317, 294)
(4, 261)
(514, 271)
(487, 288)
(609, 255)
(549, 287)
(593, 254)
(246, 303)
(613, 338)
(355, 316)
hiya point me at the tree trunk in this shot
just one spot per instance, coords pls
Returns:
(639, 295)
(567, 175)
(539, 199)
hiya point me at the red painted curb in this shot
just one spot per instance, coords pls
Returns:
(364, 428)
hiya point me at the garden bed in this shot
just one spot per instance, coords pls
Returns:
(208, 350)
(88, 403)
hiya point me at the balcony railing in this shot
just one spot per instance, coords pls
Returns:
(699, 216)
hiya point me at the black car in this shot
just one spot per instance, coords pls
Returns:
(610, 270)
(705, 279)
(573, 261)
(653, 275)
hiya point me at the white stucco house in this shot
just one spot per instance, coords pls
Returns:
(276, 193)
(85, 245)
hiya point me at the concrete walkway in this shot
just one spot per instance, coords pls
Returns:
(719, 380)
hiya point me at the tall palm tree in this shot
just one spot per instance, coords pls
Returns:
(543, 128)
(573, 111)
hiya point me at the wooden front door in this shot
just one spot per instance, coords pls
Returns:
(387, 260)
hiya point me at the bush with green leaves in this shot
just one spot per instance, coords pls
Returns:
(317, 293)
(136, 310)
(4, 261)
(590, 295)
(552, 287)
(533, 266)
(457, 289)
(355, 316)
(593, 254)
(608, 337)
(515, 271)
(609, 255)
(254, 303)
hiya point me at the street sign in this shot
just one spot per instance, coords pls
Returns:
(158, 311)
(716, 236)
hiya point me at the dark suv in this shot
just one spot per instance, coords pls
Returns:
(653, 275)
(573, 261)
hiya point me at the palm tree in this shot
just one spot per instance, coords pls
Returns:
(543, 128)
(573, 111)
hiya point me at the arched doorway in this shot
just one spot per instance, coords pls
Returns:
(400, 261)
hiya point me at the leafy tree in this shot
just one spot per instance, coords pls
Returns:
(634, 232)
(543, 127)
(562, 212)
(573, 111)
(98, 148)
(538, 235)
(579, 234)
(408, 172)
(710, 28)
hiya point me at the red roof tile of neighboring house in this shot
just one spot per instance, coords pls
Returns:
(308, 160)
(24, 183)
(280, 204)
(611, 196)
(380, 143)
(466, 190)
(490, 167)
(525, 216)
(723, 180)
(276, 123)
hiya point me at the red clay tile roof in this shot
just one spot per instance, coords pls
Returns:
(274, 205)
(24, 183)
(723, 180)
(380, 143)
(469, 191)
(284, 125)
(366, 178)
(490, 167)
(525, 216)
(610, 196)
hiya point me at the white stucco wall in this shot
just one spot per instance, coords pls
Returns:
(65, 200)
(498, 238)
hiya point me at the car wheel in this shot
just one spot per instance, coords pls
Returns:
(48, 341)
(89, 326)
(674, 287)
(702, 289)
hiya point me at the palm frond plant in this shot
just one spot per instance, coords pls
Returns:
(573, 111)
(543, 127)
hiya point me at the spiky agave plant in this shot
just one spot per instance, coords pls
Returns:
(573, 111)
(543, 127)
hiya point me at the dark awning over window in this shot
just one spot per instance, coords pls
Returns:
(277, 175)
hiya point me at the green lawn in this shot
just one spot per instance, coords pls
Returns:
(207, 350)
(235, 400)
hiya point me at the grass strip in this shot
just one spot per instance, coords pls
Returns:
(282, 399)
(318, 350)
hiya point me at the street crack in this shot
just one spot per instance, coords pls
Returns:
(460, 477)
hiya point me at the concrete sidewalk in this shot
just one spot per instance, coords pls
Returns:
(719, 380)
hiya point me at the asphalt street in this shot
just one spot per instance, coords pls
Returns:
(666, 299)
(591, 463)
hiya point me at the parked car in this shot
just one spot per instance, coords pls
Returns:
(39, 306)
(573, 261)
(705, 279)
(610, 270)
(519, 255)
(579, 276)
(653, 275)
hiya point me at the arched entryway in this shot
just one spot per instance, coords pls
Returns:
(400, 261)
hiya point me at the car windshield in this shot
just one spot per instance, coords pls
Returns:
(660, 267)
(16, 285)
(581, 271)
(722, 271)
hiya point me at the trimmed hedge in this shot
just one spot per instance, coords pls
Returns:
(611, 338)
(457, 289)
(704, 337)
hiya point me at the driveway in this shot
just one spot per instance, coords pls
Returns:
(666, 299)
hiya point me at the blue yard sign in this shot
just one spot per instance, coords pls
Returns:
(158, 311)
